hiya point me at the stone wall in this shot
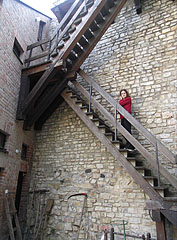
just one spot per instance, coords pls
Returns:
(138, 52)
(16, 21)
(68, 159)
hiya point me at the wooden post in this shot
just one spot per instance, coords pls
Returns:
(157, 217)
(112, 234)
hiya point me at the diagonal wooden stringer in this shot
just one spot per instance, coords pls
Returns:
(138, 178)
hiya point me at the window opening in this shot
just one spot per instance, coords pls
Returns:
(24, 152)
(17, 49)
(40, 31)
(3, 137)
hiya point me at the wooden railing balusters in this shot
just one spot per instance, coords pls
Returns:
(151, 138)
(157, 162)
(30, 54)
(50, 44)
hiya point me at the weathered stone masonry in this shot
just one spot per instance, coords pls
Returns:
(138, 52)
(65, 149)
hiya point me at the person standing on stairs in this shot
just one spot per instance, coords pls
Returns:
(125, 102)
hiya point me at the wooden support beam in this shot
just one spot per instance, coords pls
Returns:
(43, 67)
(36, 44)
(138, 6)
(46, 101)
(48, 112)
(160, 228)
(138, 178)
(165, 151)
(98, 34)
(150, 158)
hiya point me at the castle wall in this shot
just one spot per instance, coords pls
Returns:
(16, 21)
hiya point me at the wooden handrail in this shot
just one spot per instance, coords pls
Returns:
(36, 44)
(39, 43)
(152, 139)
(127, 135)
(69, 24)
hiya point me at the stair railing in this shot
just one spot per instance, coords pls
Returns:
(77, 6)
(147, 155)
(152, 139)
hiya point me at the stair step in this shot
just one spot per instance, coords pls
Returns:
(89, 4)
(72, 56)
(60, 46)
(91, 115)
(104, 128)
(110, 3)
(109, 136)
(78, 21)
(99, 19)
(150, 180)
(123, 152)
(78, 49)
(79, 103)
(116, 143)
(134, 161)
(54, 54)
(170, 199)
(105, 10)
(72, 29)
(66, 37)
(69, 63)
(88, 34)
(83, 13)
(94, 26)
(96, 121)
(84, 109)
(74, 96)
(160, 190)
(83, 41)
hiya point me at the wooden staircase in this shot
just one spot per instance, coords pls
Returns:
(43, 89)
(160, 195)
(42, 84)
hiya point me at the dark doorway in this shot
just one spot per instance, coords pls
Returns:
(19, 190)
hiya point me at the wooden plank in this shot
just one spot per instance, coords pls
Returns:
(98, 34)
(68, 25)
(150, 158)
(42, 83)
(45, 101)
(41, 55)
(48, 112)
(19, 234)
(9, 220)
(36, 44)
(138, 178)
(45, 78)
(83, 26)
(152, 139)
(160, 228)
(43, 67)
(153, 205)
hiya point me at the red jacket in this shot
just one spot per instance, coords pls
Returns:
(126, 103)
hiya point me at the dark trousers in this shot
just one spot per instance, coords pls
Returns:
(127, 126)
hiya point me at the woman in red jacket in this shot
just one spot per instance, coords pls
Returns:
(126, 103)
